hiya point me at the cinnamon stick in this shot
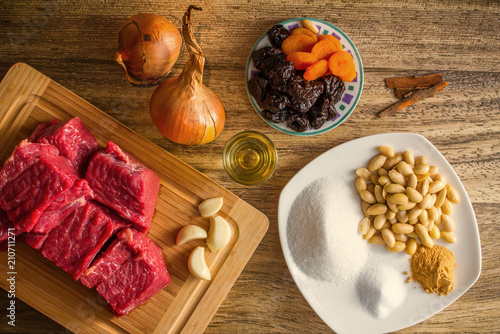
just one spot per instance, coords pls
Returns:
(413, 98)
(402, 92)
(414, 81)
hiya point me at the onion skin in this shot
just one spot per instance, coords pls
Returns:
(183, 109)
(148, 47)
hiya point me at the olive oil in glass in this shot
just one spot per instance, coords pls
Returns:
(250, 158)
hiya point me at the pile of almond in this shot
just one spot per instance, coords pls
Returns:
(405, 202)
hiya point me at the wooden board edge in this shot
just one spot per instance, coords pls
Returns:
(16, 97)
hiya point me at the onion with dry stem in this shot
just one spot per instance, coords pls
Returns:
(183, 109)
(148, 48)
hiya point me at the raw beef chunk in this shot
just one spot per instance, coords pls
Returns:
(129, 273)
(75, 242)
(116, 254)
(36, 240)
(63, 205)
(6, 226)
(124, 184)
(128, 243)
(25, 154)
(25, 196)
(72, 138)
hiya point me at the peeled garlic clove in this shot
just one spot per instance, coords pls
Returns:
(197, 265)
(189, 233)
(211, 206)
(219, 233)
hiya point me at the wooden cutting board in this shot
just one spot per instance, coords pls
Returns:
(28, 98)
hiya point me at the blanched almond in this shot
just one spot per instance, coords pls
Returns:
(447, 207)
(388, 237)
(397, 177)
(401, 228)
(360, 184)
(404, 168)
(394, 188)
(398, 247)
(421, 160)
(379, 221)
(377, 209)
(401, 237)
(364, 225)
(379, 195)
(309, 25)
(449, 237)
(363, 172)
(386, 150)
(424, 236)
(377, 162)
(367, 196)
(398, 199)
(414, 195)
(436, 186)
(376, 240)
(421, 169)
(408, 156)
(371, 232)
(391, 162)
(412, 181)
(434, 232)
(441, 196)
(447, 225)
(411, 246)
(452, 194)
(211, 206)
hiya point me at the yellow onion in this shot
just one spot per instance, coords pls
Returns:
(148, 47)
(183, 109)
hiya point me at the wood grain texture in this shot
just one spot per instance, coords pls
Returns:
(73, 42)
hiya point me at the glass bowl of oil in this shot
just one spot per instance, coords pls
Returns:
(250, 158)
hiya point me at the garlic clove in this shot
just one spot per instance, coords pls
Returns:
(219, 233)
(197, 265)
(211, 206)
(189, 233)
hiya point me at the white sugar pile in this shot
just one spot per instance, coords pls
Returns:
(323, 238)
(322, 231)
(381, 289)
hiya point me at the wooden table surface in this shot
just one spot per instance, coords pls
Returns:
(73, 42)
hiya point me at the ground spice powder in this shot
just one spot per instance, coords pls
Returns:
(434, 269)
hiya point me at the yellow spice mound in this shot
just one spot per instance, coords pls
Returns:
(434, 269)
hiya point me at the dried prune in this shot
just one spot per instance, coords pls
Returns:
(260, 54)
(303, 93)
(318, 87)
(334, 87)
(277, 35)
(275, 101)
(258, 87)
(326, 104)
(276, 116)
(298, 122)
(280, 75)
(266, 58)
(317, 116)
(283, 93)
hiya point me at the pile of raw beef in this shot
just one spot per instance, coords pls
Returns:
(86, 210)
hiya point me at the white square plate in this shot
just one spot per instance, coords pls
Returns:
(336, 305)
